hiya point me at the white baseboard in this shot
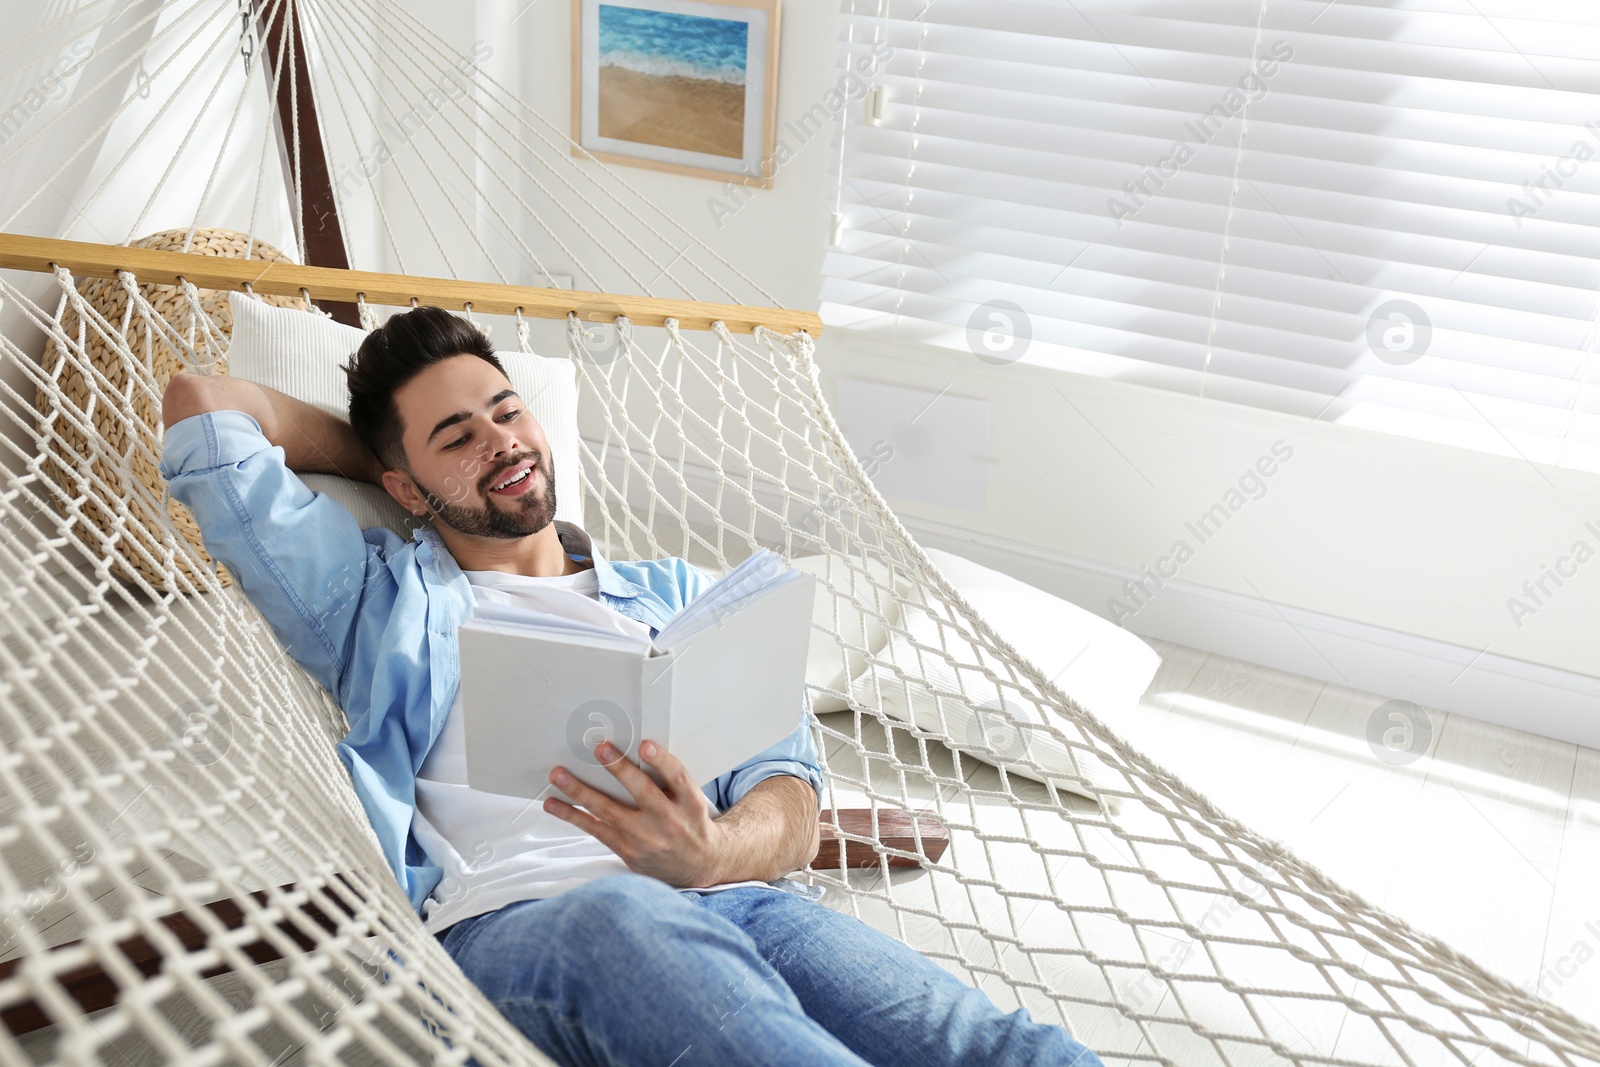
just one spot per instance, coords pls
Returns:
(1480, 685)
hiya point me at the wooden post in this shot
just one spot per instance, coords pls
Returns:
(300, 133)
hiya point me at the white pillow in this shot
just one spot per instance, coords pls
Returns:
(843, 637)
(1096, 662)
(299, 353)
(1100, 665)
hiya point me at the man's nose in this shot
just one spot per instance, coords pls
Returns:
(504, 439)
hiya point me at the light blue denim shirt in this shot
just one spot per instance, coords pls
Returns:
(373, 617)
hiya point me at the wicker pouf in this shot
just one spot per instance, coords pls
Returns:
(124, 495)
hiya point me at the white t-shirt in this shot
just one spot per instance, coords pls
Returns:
(496, 850)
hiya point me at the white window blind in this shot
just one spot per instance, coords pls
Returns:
(1381, 213)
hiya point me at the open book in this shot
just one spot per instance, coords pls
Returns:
(721, 682)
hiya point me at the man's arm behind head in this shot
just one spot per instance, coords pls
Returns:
(313, 441)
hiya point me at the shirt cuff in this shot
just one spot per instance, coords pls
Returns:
(750, 777)
(209, 439)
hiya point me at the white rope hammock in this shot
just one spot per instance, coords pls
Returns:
(1154, 927)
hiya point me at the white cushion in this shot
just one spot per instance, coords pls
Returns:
(299, 353)
(1100, 665)
(843, 637)
(1096, 662)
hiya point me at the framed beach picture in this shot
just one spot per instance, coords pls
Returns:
(677, 85)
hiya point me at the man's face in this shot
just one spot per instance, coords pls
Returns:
(466, 431)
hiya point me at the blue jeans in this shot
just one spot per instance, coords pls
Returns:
(626, 970)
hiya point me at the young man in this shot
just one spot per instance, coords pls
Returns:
(661, 931)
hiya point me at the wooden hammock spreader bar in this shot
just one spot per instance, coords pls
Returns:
(93, 989)
(89, 260)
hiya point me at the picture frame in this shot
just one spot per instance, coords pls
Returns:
(663, 84)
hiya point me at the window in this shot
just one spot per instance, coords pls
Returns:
(1380, 214)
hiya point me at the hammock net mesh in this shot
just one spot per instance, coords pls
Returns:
(175, 824)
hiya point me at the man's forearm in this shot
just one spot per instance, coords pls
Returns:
(771, 831)
(312, 440)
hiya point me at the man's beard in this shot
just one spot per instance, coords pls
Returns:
(529, 513)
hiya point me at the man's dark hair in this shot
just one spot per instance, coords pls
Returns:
(390, 357)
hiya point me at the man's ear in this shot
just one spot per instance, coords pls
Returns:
(404, 491)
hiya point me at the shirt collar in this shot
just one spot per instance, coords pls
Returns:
(576, 543)
(579, 545)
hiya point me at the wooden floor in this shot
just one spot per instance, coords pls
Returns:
(1489, 838)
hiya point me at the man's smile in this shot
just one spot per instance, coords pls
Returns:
(515, 480)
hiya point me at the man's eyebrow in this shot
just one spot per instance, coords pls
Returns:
(462, 416)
